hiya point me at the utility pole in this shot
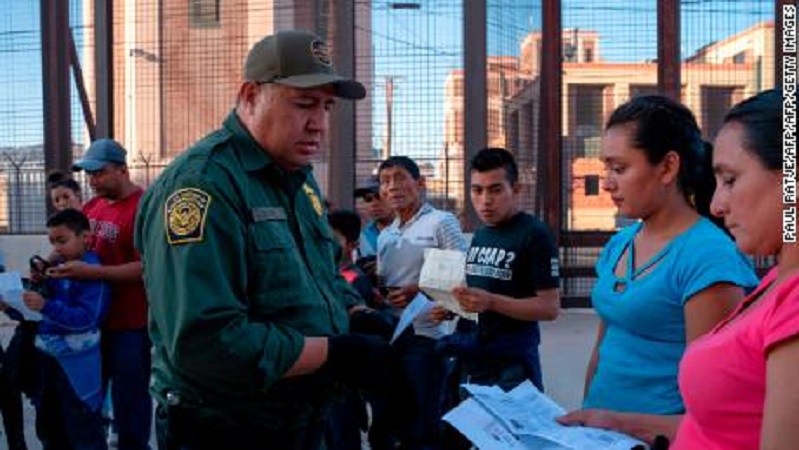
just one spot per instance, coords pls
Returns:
(389, 117)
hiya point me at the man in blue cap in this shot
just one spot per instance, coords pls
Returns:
(126, 346)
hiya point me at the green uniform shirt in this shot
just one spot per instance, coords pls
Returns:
(239, 267)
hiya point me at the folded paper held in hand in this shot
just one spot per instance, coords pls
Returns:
(442, 271)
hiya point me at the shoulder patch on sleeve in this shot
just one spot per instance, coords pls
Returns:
(185, 211)
(315, 202)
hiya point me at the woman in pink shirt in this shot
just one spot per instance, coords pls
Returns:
(739, 381)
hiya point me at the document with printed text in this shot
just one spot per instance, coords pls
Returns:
(524, 419)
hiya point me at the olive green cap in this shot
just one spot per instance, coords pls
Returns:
(298, 59)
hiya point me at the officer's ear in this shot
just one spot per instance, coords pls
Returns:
(248, 94)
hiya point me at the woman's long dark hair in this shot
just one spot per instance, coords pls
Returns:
(761, 118)
(663, 125)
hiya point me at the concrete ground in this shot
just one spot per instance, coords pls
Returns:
(565, 348)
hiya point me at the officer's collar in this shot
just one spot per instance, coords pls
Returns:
(253, 157)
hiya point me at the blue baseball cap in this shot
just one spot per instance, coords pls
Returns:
(99, 154)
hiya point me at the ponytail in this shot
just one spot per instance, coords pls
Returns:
(701, 182)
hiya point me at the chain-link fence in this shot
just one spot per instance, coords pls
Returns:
(175, 67)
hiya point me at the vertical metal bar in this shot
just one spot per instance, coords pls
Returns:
(162, 82)
(306, 15)
(55, 84)
(475, 94)
(389, 116)
(104, 66)
(77, 72)
(342, 124)
(669, 76)
(550, 168)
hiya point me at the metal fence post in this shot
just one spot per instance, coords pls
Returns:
(55, 84)
(341, 169)
(475, 94)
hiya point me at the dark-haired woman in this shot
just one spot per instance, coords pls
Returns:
(739, 380)
(670, 277)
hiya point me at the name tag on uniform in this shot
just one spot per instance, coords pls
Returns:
(265, 214)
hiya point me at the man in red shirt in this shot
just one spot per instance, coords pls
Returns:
(126, 346)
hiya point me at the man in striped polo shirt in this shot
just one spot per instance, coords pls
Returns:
(417, 226)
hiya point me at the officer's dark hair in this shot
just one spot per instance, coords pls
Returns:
(70, 218)
(404, 162)
(761, 119)
(58, 179)
(492, 158)
(661, 125)
(346, 222)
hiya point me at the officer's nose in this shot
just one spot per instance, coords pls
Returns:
(318, 120)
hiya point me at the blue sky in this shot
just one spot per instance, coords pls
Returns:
(418, 48)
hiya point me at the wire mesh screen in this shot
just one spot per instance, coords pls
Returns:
(607, 59)
(21, 129)
(83, 105)
(176, 66)
(513, 85)
(728, 55)
(416, 89)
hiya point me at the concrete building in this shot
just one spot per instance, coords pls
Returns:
(178, 64)
(713, 79)
(503, 81)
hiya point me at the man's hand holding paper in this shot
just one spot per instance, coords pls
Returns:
(473, 300)
(443, 271)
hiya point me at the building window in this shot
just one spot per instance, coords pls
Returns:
(569, 52)
(591, 185)
(204, 13)
(739, 58)
(586, 106)
(716, 101)
(637, 90)
(588, 55)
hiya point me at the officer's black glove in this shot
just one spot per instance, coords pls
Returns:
(358, 360)
(370, 321)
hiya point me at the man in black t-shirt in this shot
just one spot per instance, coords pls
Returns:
(512, 278)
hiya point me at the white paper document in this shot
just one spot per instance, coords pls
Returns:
(442, 271)
(524, 418)
(11, 293)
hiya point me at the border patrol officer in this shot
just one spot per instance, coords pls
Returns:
(248, 311)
